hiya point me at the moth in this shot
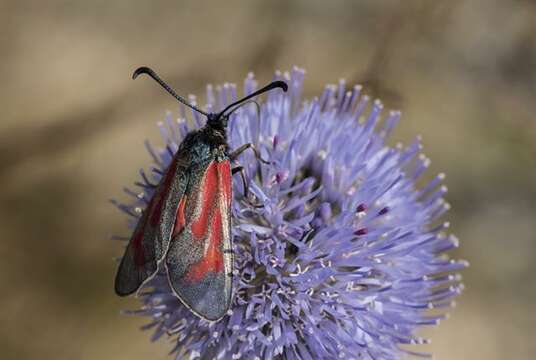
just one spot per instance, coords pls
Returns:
(185, 229)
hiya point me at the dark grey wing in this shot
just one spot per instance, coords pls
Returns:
(151, 237)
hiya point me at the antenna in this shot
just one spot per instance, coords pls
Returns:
(151, 73)
(274, 84)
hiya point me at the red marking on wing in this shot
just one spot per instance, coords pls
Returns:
(212, 260)
(180, 220)
(209, 189)
(161, 192)
(216, 184)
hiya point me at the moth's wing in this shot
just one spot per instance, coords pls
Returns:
(199, 260)
(150, 239)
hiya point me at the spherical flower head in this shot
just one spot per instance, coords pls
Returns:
(337, 254)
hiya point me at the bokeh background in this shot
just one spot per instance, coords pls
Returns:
(73, 124)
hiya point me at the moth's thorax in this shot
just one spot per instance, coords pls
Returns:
(206, 144)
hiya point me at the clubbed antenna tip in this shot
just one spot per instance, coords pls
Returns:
(141, 70)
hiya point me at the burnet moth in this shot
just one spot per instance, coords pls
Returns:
(185, 229)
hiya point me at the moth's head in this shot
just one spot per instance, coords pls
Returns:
(218, 121)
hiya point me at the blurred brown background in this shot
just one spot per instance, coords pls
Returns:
(73, 125)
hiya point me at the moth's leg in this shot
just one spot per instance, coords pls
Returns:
(233, 155)
(242, 172)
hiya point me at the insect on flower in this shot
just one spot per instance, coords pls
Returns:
(342, 255)
(186, 227)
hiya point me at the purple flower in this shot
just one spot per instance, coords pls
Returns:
(344, 258)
